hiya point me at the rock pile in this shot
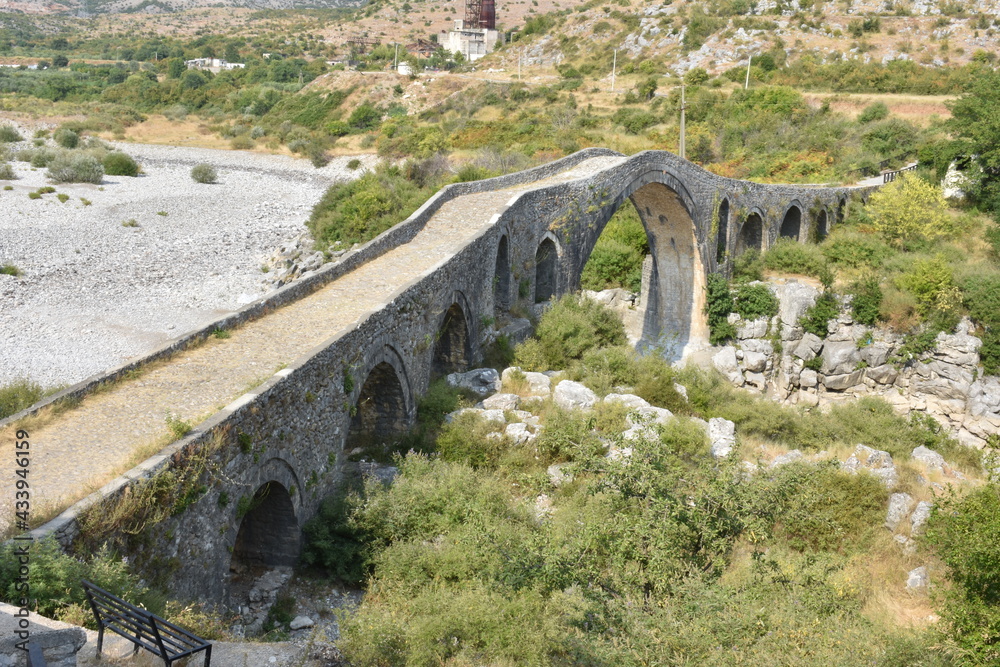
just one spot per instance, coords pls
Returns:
(778, 357)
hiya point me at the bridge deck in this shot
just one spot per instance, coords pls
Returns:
(78, 451)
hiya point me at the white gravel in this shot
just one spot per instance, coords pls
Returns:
(94, 294)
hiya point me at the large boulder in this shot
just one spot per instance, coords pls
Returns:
(875, 461)
(899, 509)
(628, 400)
(840, 357)
(933, 460)
(917, 579)
(721, 436)
(795, 299)
(648, 415)
(570, 395)
(754, 361)
(726, 363)
(502, 402)
(808, 347)
(919, 517)
(538, 384)
(482, 381)
(845, 381)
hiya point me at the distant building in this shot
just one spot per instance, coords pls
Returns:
(473, 43)
(212, 64)
(404, 68)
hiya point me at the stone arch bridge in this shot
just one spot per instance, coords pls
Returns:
(424, 296)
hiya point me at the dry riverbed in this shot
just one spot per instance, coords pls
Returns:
(94, 293)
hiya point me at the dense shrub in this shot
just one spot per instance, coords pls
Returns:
(854, 249)
(359, 210)
(7, 172)
(574, 325)
(816, 319)
(981, 296)
(790, 256)
(55, 578)
(18, 395)
(932, 282)
(754, 301)
(867, 299)
(203, 173)
(909, 209)
(9, 134)
(718, 305)
(749, 266)
(66, 138)
(119, 164)
(966, 532)
(873, 112)
(75, 168)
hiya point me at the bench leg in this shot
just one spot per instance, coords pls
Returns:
(100, 640)
(208, 656)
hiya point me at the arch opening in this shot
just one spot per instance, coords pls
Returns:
(791, 225)
(380, 413)
(723, 233)
(546, 258)
(268, 536)
(501, 278)
(841, 210)
(822, 230)
(452, 351)
(751, 234)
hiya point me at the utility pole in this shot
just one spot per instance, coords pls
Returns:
(395, 59)
(683, 107)
(519, 64)
(747, 84)
(614, 66)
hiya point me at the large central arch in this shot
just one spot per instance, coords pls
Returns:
(674, 320)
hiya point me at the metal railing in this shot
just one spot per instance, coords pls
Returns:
(890, 176)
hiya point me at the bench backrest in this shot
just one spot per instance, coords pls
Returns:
(153, 633)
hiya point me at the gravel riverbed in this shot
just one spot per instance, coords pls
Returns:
(93, 293)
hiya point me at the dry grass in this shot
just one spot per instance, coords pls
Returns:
(918, 109)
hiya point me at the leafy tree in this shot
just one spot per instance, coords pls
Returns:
(175, 68)
(60, 61)
(909, 209)
(975, 124)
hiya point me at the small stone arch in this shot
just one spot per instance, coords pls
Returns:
(546, 263)
(822, 225)
(722, 240)
(501, 278)
(791, 224)
(383, 402)
(453, 348)
(269, 533)
(751, 233)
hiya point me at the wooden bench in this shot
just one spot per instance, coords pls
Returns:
(145, 630)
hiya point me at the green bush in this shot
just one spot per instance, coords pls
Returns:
(748, 266)
(604, 368)
(932, 282)
(18, 395)
(9, 134)
(753, 302)
(117, 163)
(816, 319)
(981, 296)
(874, 112)
(790, 256)
(7, 172)
(833, 510)
(55, 578)
(75, 168)
(465, 440)
(203, 173)
(854, 249)
(718, 305)
(612, 264)
(574, 325)
(867, 299)
(966, 532)
(359, 210)
(66, 138)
